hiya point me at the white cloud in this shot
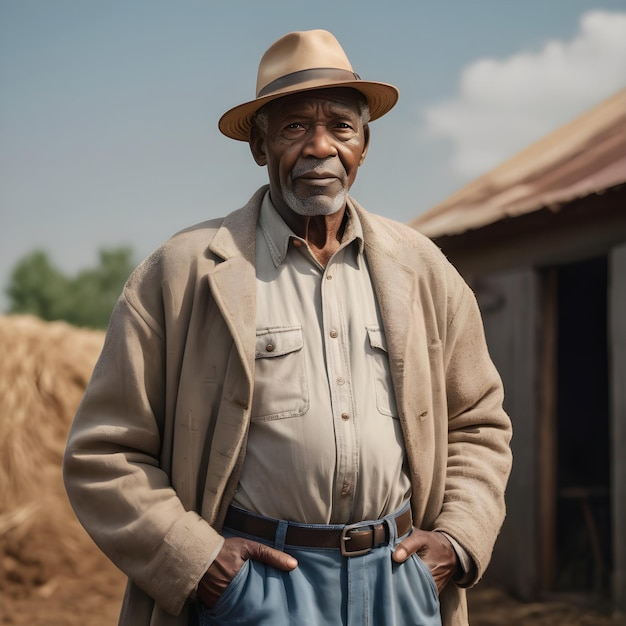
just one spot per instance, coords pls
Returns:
(504, 105)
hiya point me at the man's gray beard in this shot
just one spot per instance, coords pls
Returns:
(315, 205)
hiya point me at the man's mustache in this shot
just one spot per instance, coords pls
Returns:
(320, 167)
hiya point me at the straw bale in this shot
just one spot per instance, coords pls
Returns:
(44, 368)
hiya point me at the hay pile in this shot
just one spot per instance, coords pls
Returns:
(44, 368)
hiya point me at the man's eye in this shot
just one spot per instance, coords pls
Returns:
(295, 126)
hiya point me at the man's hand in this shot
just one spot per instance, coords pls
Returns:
(230, 560)
(436, 552)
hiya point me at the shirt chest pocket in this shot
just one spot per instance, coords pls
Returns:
(379, 366)
(280, 383)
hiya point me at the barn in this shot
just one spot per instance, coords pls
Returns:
(542, 240)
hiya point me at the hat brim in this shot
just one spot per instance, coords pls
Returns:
(236, 122)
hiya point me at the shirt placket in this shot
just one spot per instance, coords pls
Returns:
(337, 350)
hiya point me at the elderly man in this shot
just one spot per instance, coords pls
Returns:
(294, 419)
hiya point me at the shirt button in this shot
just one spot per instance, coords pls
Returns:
(341, 381)
(329, 277)
(345, 416)
(345, 490)
(334, 334)
(270, 347)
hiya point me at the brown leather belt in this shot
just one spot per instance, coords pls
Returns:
(351, 539)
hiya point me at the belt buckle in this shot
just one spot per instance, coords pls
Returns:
(345, 537)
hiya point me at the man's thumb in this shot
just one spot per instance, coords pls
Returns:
(273, 557)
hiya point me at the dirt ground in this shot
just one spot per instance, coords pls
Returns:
(494, 607)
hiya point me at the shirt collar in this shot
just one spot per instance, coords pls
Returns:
(278, 235)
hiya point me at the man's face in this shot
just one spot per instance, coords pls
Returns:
(313, 146)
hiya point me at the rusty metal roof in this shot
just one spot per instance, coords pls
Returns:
(586, 156)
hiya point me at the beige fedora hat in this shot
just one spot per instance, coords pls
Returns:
(302, 61)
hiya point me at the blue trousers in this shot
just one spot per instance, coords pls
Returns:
(329, 589)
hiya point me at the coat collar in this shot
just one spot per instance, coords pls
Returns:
(237, 235)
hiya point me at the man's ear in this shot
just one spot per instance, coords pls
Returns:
(366, 134)
(256, 142)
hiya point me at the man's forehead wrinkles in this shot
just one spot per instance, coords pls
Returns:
(314, 109)
(307, 104)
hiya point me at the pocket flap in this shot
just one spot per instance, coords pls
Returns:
(271, 342)
(377, 338)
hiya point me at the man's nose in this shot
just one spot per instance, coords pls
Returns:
(320, 143)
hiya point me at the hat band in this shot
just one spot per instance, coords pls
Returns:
(288, 80)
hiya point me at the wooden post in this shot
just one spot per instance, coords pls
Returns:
(546, 428)
(617, 355)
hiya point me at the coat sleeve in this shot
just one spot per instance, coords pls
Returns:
(479, 432)
(112, 469)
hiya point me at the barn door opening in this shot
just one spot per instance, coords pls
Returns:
(582, 545)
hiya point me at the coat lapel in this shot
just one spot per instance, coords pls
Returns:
(233, 286)
(233, 282)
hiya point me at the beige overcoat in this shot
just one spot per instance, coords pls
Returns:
(156, 448)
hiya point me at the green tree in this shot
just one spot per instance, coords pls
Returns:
(37, 287)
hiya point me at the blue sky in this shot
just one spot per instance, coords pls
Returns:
(108, 110)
